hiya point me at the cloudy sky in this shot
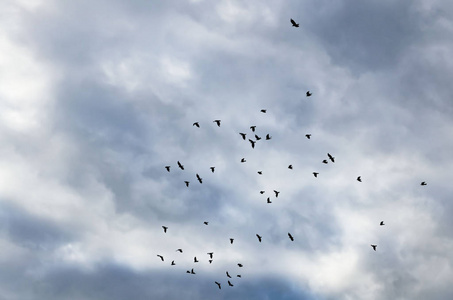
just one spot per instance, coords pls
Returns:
(97, 97)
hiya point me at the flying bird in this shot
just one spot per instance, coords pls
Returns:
(240, 265)
(168, 168)
(269, 200)
(325, 161)
(253, 128)
(210, 261)
(196, 124)
(218, 284)
(229, 283)
(199, 178)
(210, 254)
(259, 237)
(290, 167)
(308, 94)
(374, 247)
(173, 263)
(262, 192)
(263, 111)
(382, 223)
(290, 237)
(212, 169)
(228, 275)
(187, 183)
(423, 183)
(294, 23)
(257, 137)
(359, 179)
(161, 257)
(268, 137)
(179, 250)
(180, 165)
(316, 174)
(165, 228)
(308, 136)
(243, 160)
(260, 172)
(195, 259)
(238, 276)
(217, 122)
(231, 241)
(205, 223)
(331, 157)
(243, 135)
(253, 143)
(276, 193)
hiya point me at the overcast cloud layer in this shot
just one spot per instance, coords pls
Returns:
(97, 97)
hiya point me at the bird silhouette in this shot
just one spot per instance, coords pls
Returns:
(290, 237)
(259, 237)
(161, 257)
(210, 254)
(268, 137)
(359, 179)
(243, 160)
(191, 272)
(269, 200)
(228, 275)
(331, 157)
(168, 168)
(231, 241)
(205, 223)
(308, 136)
(218, 284)
(253, 143)
(294, 23)
(196, 124)
(187, 183)
(199, 178)
(382, 223)
(238, 276)
(195, 260)
(179, 250)
(253, 128)
(276, 193)
(263, 111)
(374, 247)
(212, 169)
(325, 161)
(262, 192)
(308, 94)
(165, 228)
(423, 183)
(290, 167)
(243, 135)
(210, 261)
(217, 122)
(260, 172)
(316, 174)
(173, 263)
(240, 265)
(257, 137)
(180, 165)
(229, 283)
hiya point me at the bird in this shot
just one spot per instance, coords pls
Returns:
(228, 275)
(260, 172)
(161, 257)
(199, 178)
(165, 228)
(205, 223)
(308, 136)
(290, 167)
(316, 174)
(231, 241)
(210, 261)
(253, 143)
(259, 237)
(229, 283)
(191, 272)
(243, 135)
(180, 165)
(195, 259)
(268, 137)
(359, 179)
(331, 157)
(423, 183)
(325, 161)
(168, 168)
(269, 200)
(218, 284)
(196, 124)
(294, 23)
(210, 254)
(290, 237)
(238, 275)
(217, 122)
(262, 192)
(374, 247)
(276, 193)
(382, 223)
(263, 111)
(173, 263)
(179, 250)
(308, 94)
(243, 160)
(187, 183)
(257, 137)
(253, 128)
(212, 169)
(240, 265)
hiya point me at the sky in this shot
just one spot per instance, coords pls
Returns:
(97, 97)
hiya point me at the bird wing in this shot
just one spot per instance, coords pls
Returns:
(293, 22)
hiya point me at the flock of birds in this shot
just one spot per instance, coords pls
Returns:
(268, 200)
